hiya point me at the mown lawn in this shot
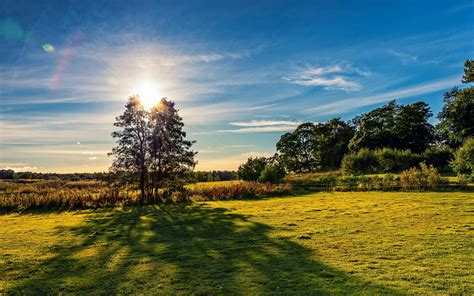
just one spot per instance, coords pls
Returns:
(323, 243)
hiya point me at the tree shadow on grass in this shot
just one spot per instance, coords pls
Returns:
(183, 249)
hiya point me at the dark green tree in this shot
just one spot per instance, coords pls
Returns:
(463, 162)
(331, 140)
(152, 146)
(253, 168)
(468, 71)
(296, 149)
(273, 173)
(131, 153)
(457, 116)
(171, 157)
(395, 126)
(312, 147)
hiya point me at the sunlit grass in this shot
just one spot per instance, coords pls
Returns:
(345, 242)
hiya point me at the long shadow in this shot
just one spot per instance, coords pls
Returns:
(183, 249)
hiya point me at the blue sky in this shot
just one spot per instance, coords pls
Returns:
(242, 73)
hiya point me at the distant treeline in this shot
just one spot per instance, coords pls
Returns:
(212, 176)
(199, 176)
(11, 174)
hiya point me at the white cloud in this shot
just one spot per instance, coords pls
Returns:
(403, 57)
(354, 103)
(256, 123)
(262, 126)
(238, 146)
(262, 107)
(93, 158)
(335, 77)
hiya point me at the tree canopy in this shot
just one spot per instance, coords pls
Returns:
(152, 145)
(311, 147)
(395, 126)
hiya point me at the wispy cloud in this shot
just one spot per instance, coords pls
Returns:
(348, 105)
(239, 146)
(257, 123)
(402, 56)
(262, 107)
(335, 77)
(262, 126)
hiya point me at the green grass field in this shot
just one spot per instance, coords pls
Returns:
(346, 242)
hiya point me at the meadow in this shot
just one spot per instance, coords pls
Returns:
(321, 243)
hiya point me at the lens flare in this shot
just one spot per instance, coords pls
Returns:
(48, 48)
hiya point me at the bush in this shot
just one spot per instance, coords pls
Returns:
(252, 169)
(273, 174)
(427, 177)
(394, 161)
(235, 191)
(463, 163)
(439, 157)
(361, 162)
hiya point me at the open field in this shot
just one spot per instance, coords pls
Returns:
(344, 242)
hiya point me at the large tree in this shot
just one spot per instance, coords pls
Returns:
(171, 156)
(131, 153)
(296, 149)
(395, 126)
(457, 117)
(331, 140)
(312, 147)
(152, 145)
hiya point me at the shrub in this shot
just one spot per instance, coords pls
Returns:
(439, 157)
(273, 174)
(463, 162)
(427, 177)
(394, 161)
(235, 191)
(363, 161)
(252, 169)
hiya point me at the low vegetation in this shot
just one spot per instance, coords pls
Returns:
(364, 243)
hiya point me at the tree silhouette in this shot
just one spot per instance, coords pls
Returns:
(152, 145)
(131, 152)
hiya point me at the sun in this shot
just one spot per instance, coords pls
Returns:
(149, 93)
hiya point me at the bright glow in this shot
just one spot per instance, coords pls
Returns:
(149, 93)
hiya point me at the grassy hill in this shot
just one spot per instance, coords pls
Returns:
(342, 242)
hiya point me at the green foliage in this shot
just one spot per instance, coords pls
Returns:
(273, 173)
(427, 177)
(313, 147)
(386, 160)
(7, 174)
(252, 169)
(463, 162)
(457, 117)
(296, 149)
(361, 162)
(439, 157)
(395, 126)
(212, 176)
(468, 71)
(394, 161)
(151, 147)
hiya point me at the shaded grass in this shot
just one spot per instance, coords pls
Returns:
(323, 243)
